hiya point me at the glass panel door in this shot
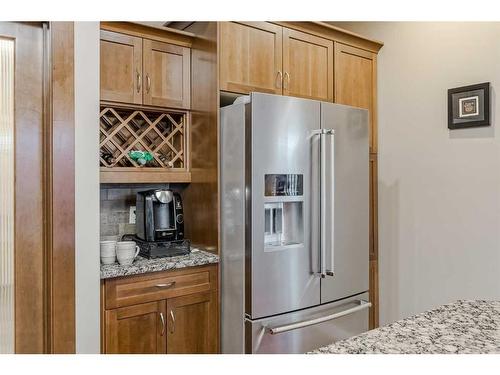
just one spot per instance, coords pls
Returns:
(6, 195)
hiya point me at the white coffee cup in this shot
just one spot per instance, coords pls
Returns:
(126, 252)
(108, 252)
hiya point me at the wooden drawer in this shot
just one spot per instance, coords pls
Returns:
(132, 290)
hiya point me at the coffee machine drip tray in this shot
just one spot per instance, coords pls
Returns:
(159, 249)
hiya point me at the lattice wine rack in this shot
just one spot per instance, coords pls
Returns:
(162, 133)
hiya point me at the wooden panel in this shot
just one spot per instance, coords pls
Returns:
(167, 75)
(373, 207)
(373, 295)
(125, 291)
(307, 66)
(355, 82)
(192, 324)
(200, 197)
(328, 31)
(28, 189)
(121, 67)
(63, 190)
(250, 57)
(160, 34)
(137, 329)
(136, 175)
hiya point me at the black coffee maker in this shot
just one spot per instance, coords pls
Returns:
(160, 223)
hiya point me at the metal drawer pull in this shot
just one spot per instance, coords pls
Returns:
(138, 81)
(162, 324)
(286, 80)
(173, 321)
(148, 83)
(279, 79)
(166, 285)
(362, 305)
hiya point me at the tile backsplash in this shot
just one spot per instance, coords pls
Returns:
(116, 200)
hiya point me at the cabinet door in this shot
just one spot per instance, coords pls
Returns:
(192, 324)
(121, 68)
(307, 66)
(138, 329)
(250, 57)
(167, 75)
(355, 82)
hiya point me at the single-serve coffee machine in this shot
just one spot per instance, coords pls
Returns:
(160, 223)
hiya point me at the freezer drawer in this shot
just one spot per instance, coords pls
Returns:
(283, 334)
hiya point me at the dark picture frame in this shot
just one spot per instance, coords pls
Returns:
(469, 106)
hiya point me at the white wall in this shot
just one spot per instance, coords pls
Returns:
(439, 190)
(87, 186)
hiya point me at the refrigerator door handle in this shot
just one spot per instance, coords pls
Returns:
(306, 323)
(330, 170)
(327, 186)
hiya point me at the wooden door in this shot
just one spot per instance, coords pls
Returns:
(167, 74)
(192, 324)
(250, 57)
(355, 82)
(121, 68)
(307, 66)
(138, 329)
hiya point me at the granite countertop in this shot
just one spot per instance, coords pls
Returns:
(459, 327)
(143, 265)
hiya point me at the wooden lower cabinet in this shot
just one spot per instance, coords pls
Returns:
(138, 329)
(192, 324)
(184, 318)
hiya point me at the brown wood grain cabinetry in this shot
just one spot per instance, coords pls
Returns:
(250, 57)
(167, 75)
(355, 82)
(138, 329)
(141, 71)
(192, 324)
(162, 312)
(121, 68)
(307, 66)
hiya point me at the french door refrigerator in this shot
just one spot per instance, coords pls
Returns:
(294, 224)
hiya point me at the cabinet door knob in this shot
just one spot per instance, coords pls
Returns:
(172, 329)
(162, 324)
(279, 79)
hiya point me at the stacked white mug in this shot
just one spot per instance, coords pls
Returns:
(108, 252)
(126, 252)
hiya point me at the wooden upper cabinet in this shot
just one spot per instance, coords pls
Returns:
(167, 75)
(121, 67)
(250, 57)
(355, 74)
(307, 66)
(138, 329)
(192, 324)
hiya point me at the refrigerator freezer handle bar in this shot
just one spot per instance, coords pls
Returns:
(306, 323)
(331, 165)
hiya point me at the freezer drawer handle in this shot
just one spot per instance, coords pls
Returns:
(289, 327)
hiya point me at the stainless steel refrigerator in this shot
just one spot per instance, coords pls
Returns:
(294, 224)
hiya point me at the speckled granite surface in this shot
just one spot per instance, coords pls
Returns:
(143, 265)
(459, 327)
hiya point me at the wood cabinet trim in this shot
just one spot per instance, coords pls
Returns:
(334, 33)
(165, 35)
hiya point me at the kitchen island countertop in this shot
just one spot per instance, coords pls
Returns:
(143, 265)
(460, 327)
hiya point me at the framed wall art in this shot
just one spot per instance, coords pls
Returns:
(469, 106)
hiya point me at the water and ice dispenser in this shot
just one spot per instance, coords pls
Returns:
(283, 210)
